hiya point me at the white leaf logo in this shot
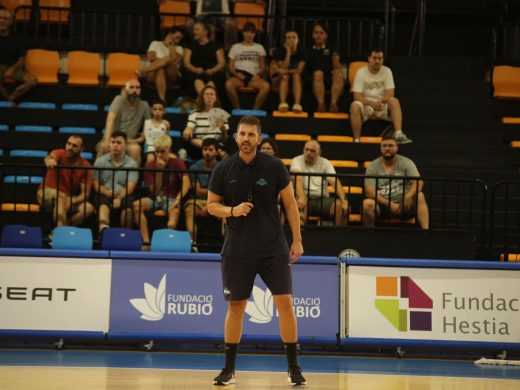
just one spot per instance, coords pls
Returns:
(260, 309)
(153, 305)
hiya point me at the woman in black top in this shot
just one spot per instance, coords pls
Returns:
(204, 60)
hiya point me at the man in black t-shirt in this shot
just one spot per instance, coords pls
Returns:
(323, 64)
(12, 60)
(244, 188)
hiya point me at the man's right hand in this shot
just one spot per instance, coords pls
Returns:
(187, 134)
(243, 209)
(301, 202)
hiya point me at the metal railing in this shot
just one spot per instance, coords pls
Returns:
(107, 31)
(504, 224)
(453, 204)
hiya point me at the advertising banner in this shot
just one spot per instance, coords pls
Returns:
(187, 297)
(43, 293)
(434, 304)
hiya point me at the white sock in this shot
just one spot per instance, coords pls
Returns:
(397, 133)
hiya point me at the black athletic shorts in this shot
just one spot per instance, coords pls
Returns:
(238, 275)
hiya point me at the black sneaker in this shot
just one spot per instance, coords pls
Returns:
(295, 377)
(225, 378)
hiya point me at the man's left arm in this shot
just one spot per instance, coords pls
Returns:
(340, 192)
(293, 217)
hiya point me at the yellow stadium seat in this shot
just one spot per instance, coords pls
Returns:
(506, 82)
(330, 115)
(353, 67)
(511, 121)
(43, 64)
(256, 11)
(22, 15)
(121, 67)
(335, 138)
(21, 207)
(83, 68)
(292, 137)
(55, 16)
(181, 7)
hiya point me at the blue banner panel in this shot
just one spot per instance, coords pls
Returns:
(183, 297)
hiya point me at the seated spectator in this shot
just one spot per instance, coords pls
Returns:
(165, 59)
(196, 207)
(127, 113)
(288, 65)
(217, 13)
(66, 190)
(390, 196)
(374, 91)
(204, 60)
(153, 128)
(115, 186)
(323, 64)
(268, 146)
(207, 120)
(12, 60)
(167, 187)
(246, 67)
(312, 195)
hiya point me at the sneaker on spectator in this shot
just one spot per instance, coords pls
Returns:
(225, 378)
(295, 377)
(403, 139)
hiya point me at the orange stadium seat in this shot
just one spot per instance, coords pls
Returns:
(181, 7)
(22, 15)
(256, 11)
(335, 138)
(83, 68)
(55, 16)
(121, 67)
(506, 82)
(44, 65)
(353, 67)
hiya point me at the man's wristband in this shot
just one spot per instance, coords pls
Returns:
(231, 211)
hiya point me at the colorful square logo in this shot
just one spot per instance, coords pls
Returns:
(390, 291)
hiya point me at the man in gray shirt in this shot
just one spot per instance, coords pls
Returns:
(395, 197)
(115, 187)
(127, 113)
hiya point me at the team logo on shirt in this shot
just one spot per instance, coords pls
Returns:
(261, 182)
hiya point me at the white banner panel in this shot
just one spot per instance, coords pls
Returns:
(434, 304)
(43, 293)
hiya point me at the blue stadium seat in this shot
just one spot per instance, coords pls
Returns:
(23, 179)
(79, 107)
(28, 153)
(173, 110)
(265, 135)
(38, 105)
(240, 112)
(21, 236)
(175, 133)
(121, 239)
(5, 104)
(169, 240)
(4, 127)
(107, 106)
(1, 152)
(71, 237)
(87, 155)
(33, 129)
(77, 130)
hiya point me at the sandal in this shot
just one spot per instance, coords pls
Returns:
(283, 107)
(297, 108)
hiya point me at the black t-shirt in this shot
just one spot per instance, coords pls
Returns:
(320, 58)
(295, 58)
(11, 49)
(204, 56)
(260, 234)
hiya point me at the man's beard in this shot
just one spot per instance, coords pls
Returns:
(132, 98)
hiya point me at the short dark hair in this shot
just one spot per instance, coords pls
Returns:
(249, 26)
(388, 137)
(251, 121)
(175, 29)
(322, 25)
(119, 133)
(76, 136)
(271, 142)
(375, 49)
(210, 141)
(158, 101)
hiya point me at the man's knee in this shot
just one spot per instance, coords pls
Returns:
(237, 307)
(369, 205)
(30, 80)
(318, 76)
(355, 109)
